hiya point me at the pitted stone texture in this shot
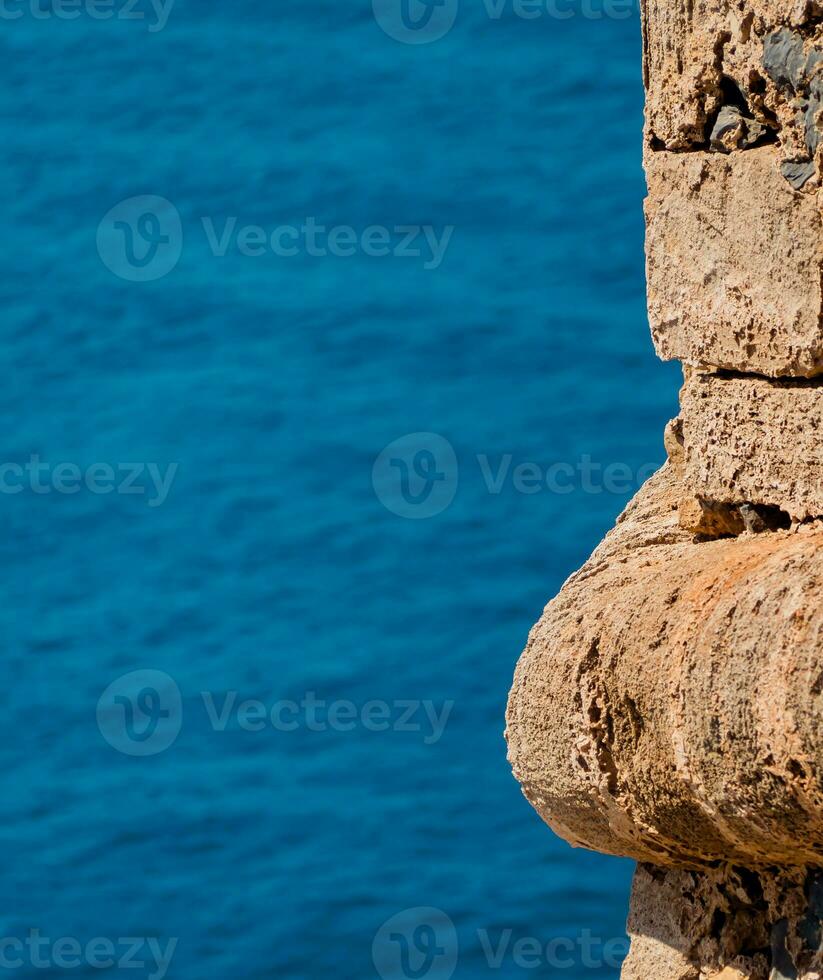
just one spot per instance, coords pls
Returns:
(684, 47)
(754, 441)
(726, 923)
(667, 705)
(660, 947)
(734, 264)
(759, 56)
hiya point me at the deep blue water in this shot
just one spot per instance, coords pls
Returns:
(273, 568)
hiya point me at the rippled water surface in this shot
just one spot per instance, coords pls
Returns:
(271, 570)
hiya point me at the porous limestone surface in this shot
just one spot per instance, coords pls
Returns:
(725, 923)
(734, 262)
(749, 440)
(667, 705)
(760, 57)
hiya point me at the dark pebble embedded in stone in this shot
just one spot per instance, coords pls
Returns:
(755, 131)
(808, 929)
(812, 115)
(798, 174)
(777, 975)
(815, 889)
(746, 132)
(813, 134)
(783, 58)
(783, 967)
(729, 121)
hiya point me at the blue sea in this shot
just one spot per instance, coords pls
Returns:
(280, 504)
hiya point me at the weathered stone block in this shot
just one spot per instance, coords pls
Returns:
(668, 703)
(761, 56)
(734, 263)
(725, 923)
(667, 706)
(754, 441)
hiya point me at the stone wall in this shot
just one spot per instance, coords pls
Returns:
(668, 704)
